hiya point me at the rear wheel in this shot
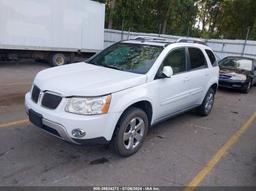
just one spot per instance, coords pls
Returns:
(58, 59)
(207, 105)
(131, 132)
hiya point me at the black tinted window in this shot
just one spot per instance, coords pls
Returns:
(177, 60)
(211, 57)
(197, 59)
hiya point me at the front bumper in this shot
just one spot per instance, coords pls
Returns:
(233, 84)
(99, 128)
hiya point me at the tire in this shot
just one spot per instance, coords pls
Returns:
(126, 139)
(206, 107)
(58, 59)
(247, 89)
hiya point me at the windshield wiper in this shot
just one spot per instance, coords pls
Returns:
(104, 65)
(111, 66)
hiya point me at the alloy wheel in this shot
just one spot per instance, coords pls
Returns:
(134, 133)
(209, 102)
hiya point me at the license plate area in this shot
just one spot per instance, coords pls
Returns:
(35, 118)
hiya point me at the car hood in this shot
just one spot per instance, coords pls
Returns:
(231, 72)
(82, 79)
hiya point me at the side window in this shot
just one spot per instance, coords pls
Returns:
(177, 60)
(197, 59)
(211, 57)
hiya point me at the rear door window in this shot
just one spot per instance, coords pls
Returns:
(211, 57)
(197, 59)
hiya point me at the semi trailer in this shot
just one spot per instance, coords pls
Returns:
(53, 30)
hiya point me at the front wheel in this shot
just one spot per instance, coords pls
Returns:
(207, 105)
(131, 132)
(247, 87)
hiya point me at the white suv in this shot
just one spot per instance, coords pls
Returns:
(118, 94)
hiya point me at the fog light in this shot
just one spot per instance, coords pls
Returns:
(78, 133)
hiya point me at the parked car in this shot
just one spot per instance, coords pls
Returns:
(117, 95)
(237, 73)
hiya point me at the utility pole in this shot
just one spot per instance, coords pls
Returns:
(188, 31)
(122, 34)
(160, 28)
(246, 39)
(129, 33)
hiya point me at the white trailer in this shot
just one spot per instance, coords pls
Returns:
(55, 30)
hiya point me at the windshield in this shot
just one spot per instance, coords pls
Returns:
(237, 64)
(134, 58)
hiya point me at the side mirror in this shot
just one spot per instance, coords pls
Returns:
(167, 72)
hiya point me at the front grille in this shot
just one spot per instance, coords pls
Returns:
(224, 76)
(35, 94)
(51, 101)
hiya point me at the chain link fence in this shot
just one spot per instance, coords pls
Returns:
(222, 47)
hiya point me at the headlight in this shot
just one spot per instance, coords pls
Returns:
(88, 105)
(239, 77)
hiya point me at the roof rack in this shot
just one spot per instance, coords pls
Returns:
(190, 40)
(152, 39)
(168, 41)
(144, 38)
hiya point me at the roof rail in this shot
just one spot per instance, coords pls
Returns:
(168, 41)
(191, 40)
(153, 39)
(144, 38)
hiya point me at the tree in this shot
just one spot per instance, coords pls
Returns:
(201, 18)
(208, 12)
(235, 17)
(166, 18)
(111, 13)
(253, 31)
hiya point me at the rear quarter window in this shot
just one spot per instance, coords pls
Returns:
(211, 57)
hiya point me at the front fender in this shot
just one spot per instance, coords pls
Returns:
(124, 99)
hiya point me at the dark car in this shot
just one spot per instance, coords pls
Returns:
(237, 73)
